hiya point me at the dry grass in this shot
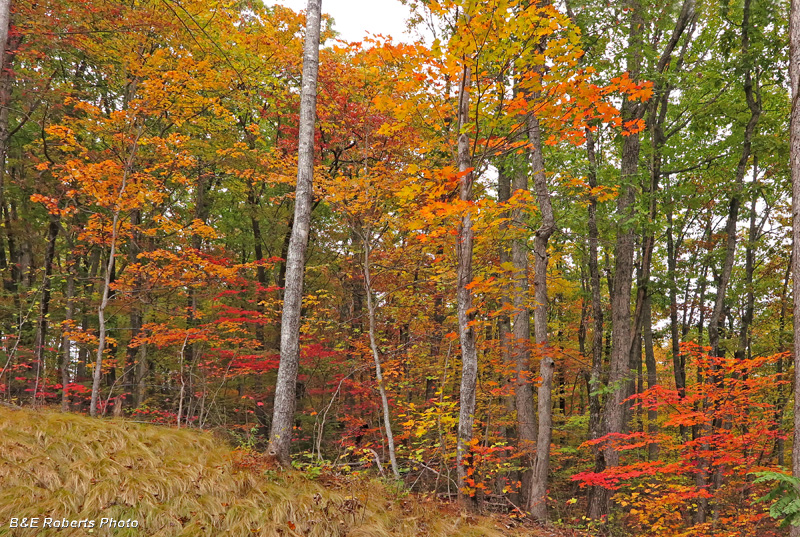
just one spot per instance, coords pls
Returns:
(187, 483)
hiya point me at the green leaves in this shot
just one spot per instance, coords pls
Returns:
(785, 495)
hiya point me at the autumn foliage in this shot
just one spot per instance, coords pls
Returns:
(166, 132)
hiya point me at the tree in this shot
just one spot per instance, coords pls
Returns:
(624, 327)
(285, 388)
(5, 22)
(538, 496)
(469, 356)
(794, 164)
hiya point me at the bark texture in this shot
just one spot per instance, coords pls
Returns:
(521, 344)
(794, 160)
(469, 355)
(285, 388)
(538, 497)
(5, 22)
(613, 415)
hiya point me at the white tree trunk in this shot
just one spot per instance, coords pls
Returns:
(101, 310)
(387, 422)
(5, 21)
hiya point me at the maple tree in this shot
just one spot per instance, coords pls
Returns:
(733, 419)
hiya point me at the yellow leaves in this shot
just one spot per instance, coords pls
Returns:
(409, 192)
(65, 135)
(388, 129)
(200, 228)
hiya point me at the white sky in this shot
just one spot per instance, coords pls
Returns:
(354, 18)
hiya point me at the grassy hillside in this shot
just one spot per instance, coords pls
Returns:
(183, 482)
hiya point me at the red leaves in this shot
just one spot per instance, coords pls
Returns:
(255, 363)
(733, 429)
(612, 478)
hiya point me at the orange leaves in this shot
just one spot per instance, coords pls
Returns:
(632, 127)
(634, 91)
(164, 269)
(734, 428)
(481, 285)
(161, 336)
(73, 332)
(66, 136)
(52, 205)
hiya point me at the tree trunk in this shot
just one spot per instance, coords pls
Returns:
(66, 344)
(794, 160)
(754, 104)
(504, 322)
(373, 343)
(780, 405)
(749, 269)
(101, 310)
(678, 360)
(652, 376)
(537, 501)
(594, 378)
(753, 98)
(101, 317)
(44, 306)
(92, 269)
(253, 200)
(5, 22)
(614, 412)
(469, 356)
(285, 387)
(623, 332)
(520, 344)
(6, 86)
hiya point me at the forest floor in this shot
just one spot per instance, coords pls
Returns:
(187, 482)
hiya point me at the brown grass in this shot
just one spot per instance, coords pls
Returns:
(187, 483)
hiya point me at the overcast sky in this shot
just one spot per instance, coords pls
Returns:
(354, 18)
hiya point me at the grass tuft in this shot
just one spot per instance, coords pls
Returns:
(188, 483)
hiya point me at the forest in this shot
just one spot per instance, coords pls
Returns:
(539, 261)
